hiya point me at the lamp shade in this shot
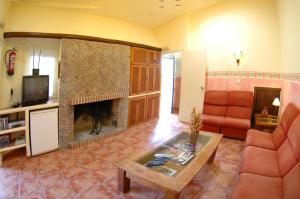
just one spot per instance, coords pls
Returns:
(276, 102)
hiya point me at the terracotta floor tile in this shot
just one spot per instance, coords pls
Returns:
(89, 172)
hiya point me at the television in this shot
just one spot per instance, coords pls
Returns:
(35, 90)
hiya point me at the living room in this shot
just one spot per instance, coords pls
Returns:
(87, 108)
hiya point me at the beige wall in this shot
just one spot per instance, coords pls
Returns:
(172, 36)
(289, 17)
(4, 9)
(36, 19)
(247, 25)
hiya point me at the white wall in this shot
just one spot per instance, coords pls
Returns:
(289, 17)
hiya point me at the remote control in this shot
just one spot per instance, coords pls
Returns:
(164, 155)
(155, 163)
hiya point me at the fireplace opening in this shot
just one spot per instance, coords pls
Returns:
(94, 118)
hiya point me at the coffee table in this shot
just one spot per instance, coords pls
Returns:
(134, 166)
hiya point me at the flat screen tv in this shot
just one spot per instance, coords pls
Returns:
(35, 90)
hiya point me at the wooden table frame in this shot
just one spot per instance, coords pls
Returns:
(128, 169)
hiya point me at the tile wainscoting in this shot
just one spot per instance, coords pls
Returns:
(247, 80)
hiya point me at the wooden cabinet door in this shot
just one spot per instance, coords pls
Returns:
(139, 56)
(136, 111)
(154, 57)
(138, 79)
(153, 78)
(153, 102)
(157, 79)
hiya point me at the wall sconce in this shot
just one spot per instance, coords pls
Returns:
(238, 56)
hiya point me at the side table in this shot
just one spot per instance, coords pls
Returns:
(266, 123)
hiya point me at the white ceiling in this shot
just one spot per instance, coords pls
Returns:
(147, 13)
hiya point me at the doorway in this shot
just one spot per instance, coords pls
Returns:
(170, 84)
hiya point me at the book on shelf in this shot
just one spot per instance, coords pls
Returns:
(20, 140)
(3, 123)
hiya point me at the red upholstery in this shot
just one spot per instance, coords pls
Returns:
(278, 136)
(288, 116)
(240, 98)
(211, 128)
(239, 112)
(235, 106)
(214, 110)
(274, 172)
(275, 140)
(252, 186)
(234, 133)
(260, 161)
(236, 123)
(216, 98)
(294, 137)
(286, 158)
(213, 120)
(260, 139)
(291, 183)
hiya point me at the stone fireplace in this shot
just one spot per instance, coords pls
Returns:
(94, 87)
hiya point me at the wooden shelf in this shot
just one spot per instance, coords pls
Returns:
(6, 131)
(12, 147)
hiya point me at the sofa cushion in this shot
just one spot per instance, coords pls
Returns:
(234, 133)
(236, 123)
(211, 128)
(252, 186)
(260, 161)
(291, 184)
(279, 136)
(286, 158)
(239, 112)
(212, 120)
(216, 98)
(214, 110)
(260, 139)
(240, 98)
(294, 136)
(288, 116)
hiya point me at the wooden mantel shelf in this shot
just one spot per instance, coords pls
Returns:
(74, 36)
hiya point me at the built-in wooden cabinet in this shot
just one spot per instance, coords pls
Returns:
(145, 72)
(137, 111)
(152, 106)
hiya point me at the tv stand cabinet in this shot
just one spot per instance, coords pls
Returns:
(25, 128)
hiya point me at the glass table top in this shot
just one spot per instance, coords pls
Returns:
(173, 156)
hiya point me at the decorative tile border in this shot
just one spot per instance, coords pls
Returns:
(255, 74)
(75, 144)
(85, 100)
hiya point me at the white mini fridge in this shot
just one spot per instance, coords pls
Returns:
(43, 131)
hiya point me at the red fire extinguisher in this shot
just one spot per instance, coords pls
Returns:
(10, 61)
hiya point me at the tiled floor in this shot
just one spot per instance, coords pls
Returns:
(89, 172)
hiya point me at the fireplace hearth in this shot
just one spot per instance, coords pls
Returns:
(92, 119)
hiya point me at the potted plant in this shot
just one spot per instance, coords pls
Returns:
(196, 125)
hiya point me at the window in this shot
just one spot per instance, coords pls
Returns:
(47, 66)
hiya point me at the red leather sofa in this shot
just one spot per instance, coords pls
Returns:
(228, 112)
(270, 165)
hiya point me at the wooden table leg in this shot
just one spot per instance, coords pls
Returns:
(123, 181)
(212, 157)
(172, 195)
